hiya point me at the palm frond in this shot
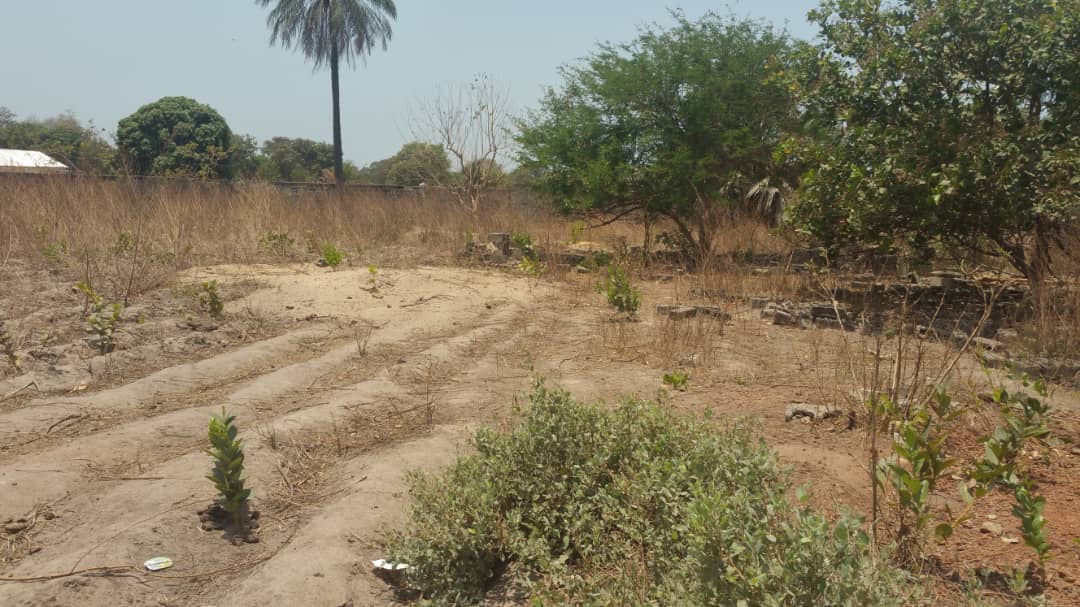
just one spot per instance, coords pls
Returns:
(768, 200)
(322, 29)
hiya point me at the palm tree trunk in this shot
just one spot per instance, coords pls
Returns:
(335, 92)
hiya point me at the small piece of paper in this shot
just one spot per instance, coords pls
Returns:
(158, 563)
(388, 566)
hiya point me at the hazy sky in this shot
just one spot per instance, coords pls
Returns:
(104, 59)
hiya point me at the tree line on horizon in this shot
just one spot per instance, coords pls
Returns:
(211, 152)
(927, 126)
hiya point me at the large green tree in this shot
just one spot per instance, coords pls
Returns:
(327, 31)
(244, 157)
(414, 164)
(175, 136)
(417, 163)
(295, 160)
(300, 160)
(62, 137)
(952, 122)
(376, 173)
(680, 123)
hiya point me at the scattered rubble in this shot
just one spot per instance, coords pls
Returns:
(1055, 369)
(810, 412)
(806, 315)
(682, 312)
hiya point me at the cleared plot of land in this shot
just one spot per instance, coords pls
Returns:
(342, 384)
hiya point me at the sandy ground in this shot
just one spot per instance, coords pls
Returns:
(342, 384)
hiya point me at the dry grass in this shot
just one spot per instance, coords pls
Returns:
(1053, 326)
(664, 343)
(129, 237)
(196, 223)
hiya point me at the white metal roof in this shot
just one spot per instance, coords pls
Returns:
(28, 159)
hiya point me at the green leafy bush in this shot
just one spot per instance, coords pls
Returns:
(921, 461)
(599, 259)
(102, 318)
(228, 472)
(373, 277)
(1025, 419)
(532, 266)
(678, 380)
(620, 294)
(332, 255)
(629, 506)
(210, 300)
(523, 242)
(919, 464)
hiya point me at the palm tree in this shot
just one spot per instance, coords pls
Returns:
(328, 31)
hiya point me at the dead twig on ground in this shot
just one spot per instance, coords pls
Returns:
(66, 418)
(56, 576)
(423, 300)
(14, 393)
(117, 569)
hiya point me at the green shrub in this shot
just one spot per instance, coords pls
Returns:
(209, 299)
(228, 472)
(920, 461)
(373, 277)
(620, 294)
(102, 318)
(629, 506)
(678, 380)
(532, 266)
(1025, 420)
(598, 259)
(332, 255)
(523, 242)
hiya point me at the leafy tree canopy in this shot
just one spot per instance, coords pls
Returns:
(62, 137)
(244, 157)
(376, 173)
(418, 163)
(680, 123)
(7, 117)
(943, 121)
(297, 160)
(176, 136)
(415, 163)
(524, 177)
(300, 160)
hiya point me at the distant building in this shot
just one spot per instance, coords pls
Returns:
(28, 161)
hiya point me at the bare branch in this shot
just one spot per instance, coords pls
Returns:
(471, 121)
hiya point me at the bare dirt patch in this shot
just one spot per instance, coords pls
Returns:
(341, 388)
